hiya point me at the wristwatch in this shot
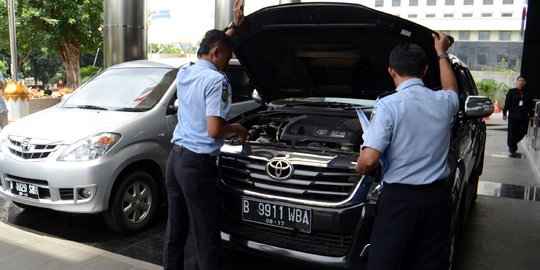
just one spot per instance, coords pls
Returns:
(445, 56)
(231, 25)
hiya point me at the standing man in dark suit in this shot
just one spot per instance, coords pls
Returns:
(412, 129)
(204, 100)
(518, 108)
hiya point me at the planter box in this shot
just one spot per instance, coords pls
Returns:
(39, 104)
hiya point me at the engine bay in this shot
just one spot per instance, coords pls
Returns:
(342, 133)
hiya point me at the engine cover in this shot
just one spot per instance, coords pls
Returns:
(320, 128)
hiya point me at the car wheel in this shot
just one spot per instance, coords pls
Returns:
(455, 227)
(133, 203)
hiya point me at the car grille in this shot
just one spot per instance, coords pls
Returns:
(308, 182)
(314, 243)
(27, 148)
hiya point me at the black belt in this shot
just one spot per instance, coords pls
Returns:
(182, 150)
(436, 183)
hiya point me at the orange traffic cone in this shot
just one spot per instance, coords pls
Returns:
(496, 107)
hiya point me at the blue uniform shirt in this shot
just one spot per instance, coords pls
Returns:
(412, 129)
(202, 91)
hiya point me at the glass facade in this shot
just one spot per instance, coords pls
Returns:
(464, 35)
(396, 3)
(379, 3)
(413, 3)
(431, 2)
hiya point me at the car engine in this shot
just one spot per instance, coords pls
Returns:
(313, 131)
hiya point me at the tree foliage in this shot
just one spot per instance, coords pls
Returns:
(67, 27)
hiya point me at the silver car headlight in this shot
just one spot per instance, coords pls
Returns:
(90, 148)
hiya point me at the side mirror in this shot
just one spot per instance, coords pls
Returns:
(255, 96)
(173, 108)
(478, 106)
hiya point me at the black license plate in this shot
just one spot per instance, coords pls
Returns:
(276, 214)
(24, 189)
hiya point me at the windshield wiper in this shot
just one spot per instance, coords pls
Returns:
(128, 109)
(91, 107)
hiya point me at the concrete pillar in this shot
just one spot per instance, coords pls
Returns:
(223, 13)
(125, 30)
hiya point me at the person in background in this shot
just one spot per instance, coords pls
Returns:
(47, 90)
(412, 128)
(518, 109)
(204, 100)
(3, 107)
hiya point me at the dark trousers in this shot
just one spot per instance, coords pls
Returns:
(193, 196)
(411, 228)
(517, 129)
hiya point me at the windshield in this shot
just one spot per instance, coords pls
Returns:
(125, 89)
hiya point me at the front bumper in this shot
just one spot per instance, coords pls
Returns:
(339, 236)
(60, 183)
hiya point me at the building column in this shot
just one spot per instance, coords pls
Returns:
(125, 31)
(223, 14)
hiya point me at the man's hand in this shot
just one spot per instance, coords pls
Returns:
(238, 12)
(505, 117)
(241, 132)
(442, 43)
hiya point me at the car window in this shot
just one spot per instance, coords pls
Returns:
(135, 89)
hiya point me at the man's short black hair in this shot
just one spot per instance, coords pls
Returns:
(521, 76)
(408, 60)
(212, 38)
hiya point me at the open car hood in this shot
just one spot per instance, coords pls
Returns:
(325, 50)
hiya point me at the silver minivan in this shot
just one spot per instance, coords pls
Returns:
(101, 150)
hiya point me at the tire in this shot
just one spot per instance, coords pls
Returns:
(133, 203)
(456, 222)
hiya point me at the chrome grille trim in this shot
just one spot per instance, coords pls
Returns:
(317, 182)
(37, 149)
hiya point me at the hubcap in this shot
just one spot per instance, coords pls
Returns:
(137, 202)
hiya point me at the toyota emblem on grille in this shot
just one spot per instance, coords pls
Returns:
(279, 169)
(26, 145)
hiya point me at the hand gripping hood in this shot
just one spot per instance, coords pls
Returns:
(325, 49)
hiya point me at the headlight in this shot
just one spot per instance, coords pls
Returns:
(90, 148)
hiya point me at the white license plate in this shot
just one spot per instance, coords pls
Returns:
(276, 214)
(24, 189)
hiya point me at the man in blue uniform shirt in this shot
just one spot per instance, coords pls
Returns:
(204, 100)
(412, 129)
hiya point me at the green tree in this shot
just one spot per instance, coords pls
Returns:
(43, 66)
(70, 27)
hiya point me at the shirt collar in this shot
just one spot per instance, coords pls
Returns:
(410, 82)
(205, 63)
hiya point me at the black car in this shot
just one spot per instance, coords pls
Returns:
(292, 191)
